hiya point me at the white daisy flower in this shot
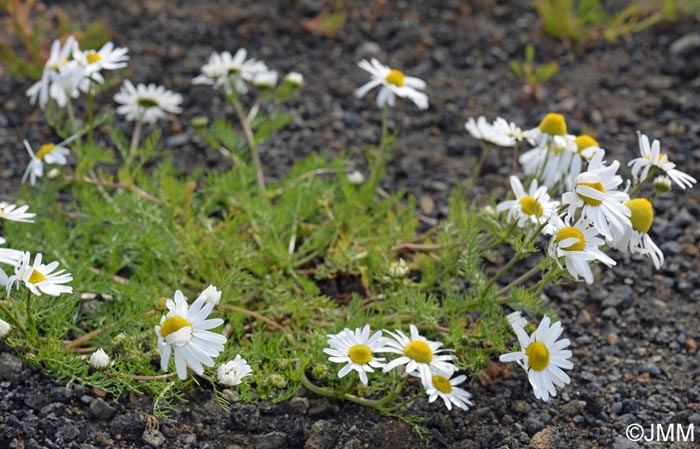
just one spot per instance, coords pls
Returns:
(266, 79)
(356, 349)
(535, 206)
(394, 83)
(636, 238)
(185, 331)
(5, 329)
(578, 245)
(595, 193)
(10, 257)
(147, 104)
(66, 83)
(40, 278)
(441, 385)
(501, 132)
(417, 353)
(100, 360)
(356, 177)
(13, 212)
(49, 153)
(653, 157)
(295, 79)
(58, 59)
(543, 357)
(212, 295)
(227, 72)
(516, 319)
(232, 372)
(106, 58)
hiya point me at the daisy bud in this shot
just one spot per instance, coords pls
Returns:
(662, 184)
(295, 79)
(118, 340)
(356, 177)
(212, 295)
(232, 372)
(277, 380)
(5, 329)
(489, 211)
(398, 269)
(54, 173)
(266, 79)
(516, 319)
(100, 360)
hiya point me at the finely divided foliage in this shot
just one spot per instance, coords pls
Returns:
(290, 277)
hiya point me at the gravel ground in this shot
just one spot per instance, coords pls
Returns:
(634, 333)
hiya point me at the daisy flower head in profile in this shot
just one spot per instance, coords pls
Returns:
(501, 132)
(100, 360)
(577, 245)
(544, 358)
(212, 295)
(442, 385)
(184, 331)
(651, 156)
(8, 257)
(356, 349)
(50, 153)
(40, 278)
(265, 79)
(516, 319)
(534, 206)
(295, 79)
(94, 61)
(59, 60)
(146, 104)
(230, 73)
(595, 193)
(5, 329)
(13, 212)
(417, 354)
(635, 239)
(232, 372)
(393, 83)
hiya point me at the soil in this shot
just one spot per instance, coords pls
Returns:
(634, 332)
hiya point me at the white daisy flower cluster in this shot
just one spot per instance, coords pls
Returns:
(417, 356)
(596, 209)
(70, 70)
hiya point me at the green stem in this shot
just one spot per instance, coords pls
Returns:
(252, 144)
(385, 126)
(330, 393)
(71, 115)
(134, 141)
(515, 158)
(12, 318)
(90, 112)
(516, 257)
(30, 318)
(636, 188)
(523, 277)
(485, 149)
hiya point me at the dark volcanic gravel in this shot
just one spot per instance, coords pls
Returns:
(634, 333)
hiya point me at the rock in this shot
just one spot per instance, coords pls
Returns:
(61, 394)
(612, 338)
(368, 49)
(245, 417)
(573, 408)
(533, 425)
(55, 408)
(321, 435)
(426, 204)
(543, 439)
(128, 427)
(686, 44)
(272, 440)
(691, 345)
(621, 442)
(101, 410)
(67, 432)
(321, 408)
(650, 368)
(616, 408)
(10, 366)
(298, 405)
(153, 437)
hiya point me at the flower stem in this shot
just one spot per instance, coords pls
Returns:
(524, 277)
(135, 140)
(516, 257)
(252, 144)
(90, 113)
(12, 318)
(636, 188)
(71, 115)
(30, 319)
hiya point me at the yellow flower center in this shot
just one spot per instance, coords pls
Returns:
(553, 124)
(147, 102)
(585, 141)
(419, 351)
(642, 214)
(172, 325)
(537, 355)
(395, 77)
(571, 232)
(93, 57)
(659, 158)
(442, 384)
(360, 354)
(531, 206)
(36, 277)
(45, 149)
(594, 185)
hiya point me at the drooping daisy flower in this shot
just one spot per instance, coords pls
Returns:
(417, 353)
(356, 349)
(266, 79)
(146, 104)
(578, 245)
(100, 360)
(185, 331)
(516, 319)
(636, 238)
(232, 372)
(212, 295)
(230, 73)
(543, 357)
(58, 59)
(106, 58)
(653, 157)
(595, 193)
(5, 329)
(13, 212)
(49, 153)
(536, 206)
(441, 385)
(394, 83)
(10, 257)
(294, 78)
(501, 132)
(40, 278)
